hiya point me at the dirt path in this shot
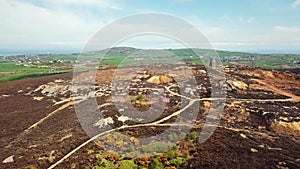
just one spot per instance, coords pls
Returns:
(160, 121)
(294, 98)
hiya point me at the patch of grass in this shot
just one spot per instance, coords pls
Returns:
(197, 61)
(139, 97)
(177, 161)
(156, 147)
(172, 154)
(18, 76)
(126, 164)
(193, 136)
(10, 71)
(103, 164)
(155, 164)
(131, 148)
(90, 151)
(186, 155)
(173, 137)
(182, 135)
(165, 155)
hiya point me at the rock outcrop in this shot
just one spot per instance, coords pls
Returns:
(159, 79)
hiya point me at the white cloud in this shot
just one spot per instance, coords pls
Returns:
(228, 38)
(88, 3)
(225, 18)
(250, 19)
(246, 20)
(279, 37)
(25, 25)
(296, 3)
(286, 29)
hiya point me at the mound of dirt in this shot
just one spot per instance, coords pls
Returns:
(53, 89)
(287, 127)
(237, 85)
(159, 79)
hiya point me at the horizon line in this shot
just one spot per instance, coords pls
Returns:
(18, 52)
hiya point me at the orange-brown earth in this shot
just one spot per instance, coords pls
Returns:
(259, 127)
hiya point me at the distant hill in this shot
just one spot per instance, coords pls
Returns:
(20, 66)
(266, 61)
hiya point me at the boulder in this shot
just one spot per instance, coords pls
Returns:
(159, 79)
(269, 75)
(253, 150)
(202, 71)
(38, 98)
(154, 80)
(9, 159)
(165, 79)
(237, 85)
(59, 81)
(243, 135)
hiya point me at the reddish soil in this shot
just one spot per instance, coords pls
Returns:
(226, 148)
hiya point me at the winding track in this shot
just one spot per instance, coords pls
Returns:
(293, 98)
(191, 102)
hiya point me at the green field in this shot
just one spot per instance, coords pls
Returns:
(11, 71)
(124, 56)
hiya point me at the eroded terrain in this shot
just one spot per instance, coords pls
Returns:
(259, 126)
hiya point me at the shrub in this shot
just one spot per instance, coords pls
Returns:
(90, 151)
(171, 137)
(177, 161)
(128, 164)
(131, 148)
(110, 155)
(182, 135)
(102, 164)
(193, 136)
(155, 164)
(186, 155)
(171, 154)
(140, 97)
(156, 147)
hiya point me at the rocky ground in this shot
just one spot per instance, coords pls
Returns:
(259, 127)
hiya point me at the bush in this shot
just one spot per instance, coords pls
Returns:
(110, 155)
(128, 164)
(102, 164)
(170, 137)
(131, 148)
(193, 136)
(177, 161)
(140, 97)
(156, 147)
(186, 155)
(171, 154)
(155, 164)
(182, 135)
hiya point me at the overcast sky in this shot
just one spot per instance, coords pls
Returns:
(251, 25)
